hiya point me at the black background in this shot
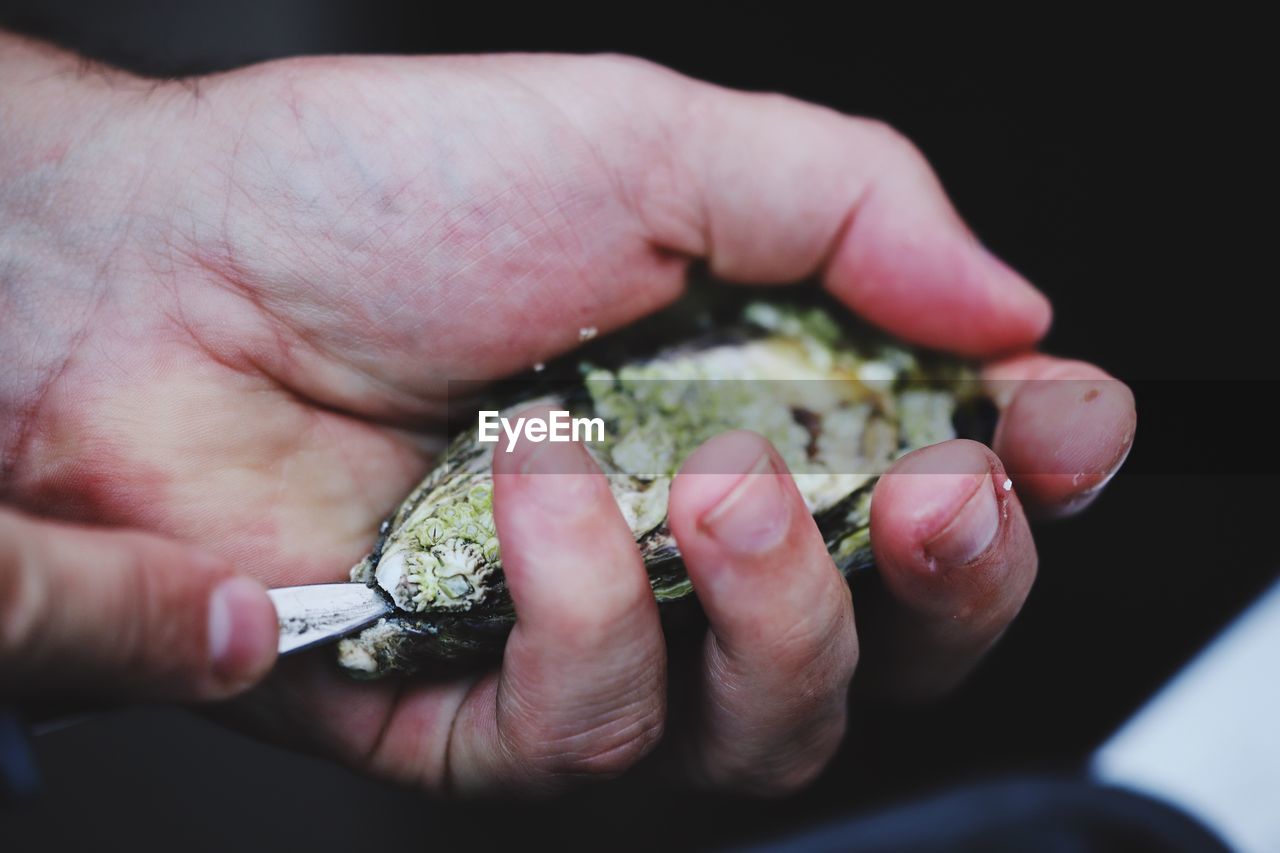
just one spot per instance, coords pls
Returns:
(1123, 166)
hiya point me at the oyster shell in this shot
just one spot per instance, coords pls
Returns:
(839, 405)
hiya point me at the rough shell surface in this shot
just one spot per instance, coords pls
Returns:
(840, 407)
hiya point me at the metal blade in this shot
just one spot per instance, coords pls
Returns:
(322, 613)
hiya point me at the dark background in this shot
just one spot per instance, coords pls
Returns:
(1122, 166)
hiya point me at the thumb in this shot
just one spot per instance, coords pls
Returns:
(779, 190)
(125, 614)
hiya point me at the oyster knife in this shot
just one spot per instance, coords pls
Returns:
(321, 613)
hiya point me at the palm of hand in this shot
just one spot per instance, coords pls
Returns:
(316, 274)
(324, 268)
(306, 253)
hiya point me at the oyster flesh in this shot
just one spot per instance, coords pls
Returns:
(840, 405)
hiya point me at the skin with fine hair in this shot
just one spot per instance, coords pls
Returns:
(228, 314)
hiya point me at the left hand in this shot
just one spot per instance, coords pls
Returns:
(236, 306)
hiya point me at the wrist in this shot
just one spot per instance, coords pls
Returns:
(51, 101)
(60, 220)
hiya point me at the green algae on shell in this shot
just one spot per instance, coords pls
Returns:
(840, 405)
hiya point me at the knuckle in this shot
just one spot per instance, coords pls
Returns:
(797, 653)
(146, 631)
(624, 62)
(788, 763)
(894, 148)
(776, 748)
(600, 739)
(780, 781)
(623, 68)
(581, 632)
(884, 134)
(612, 750)
(650, 90)
(158, 640)
(603, 750)
(817, 650)
(133, 638)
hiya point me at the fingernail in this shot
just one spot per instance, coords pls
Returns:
(753, 517)
(970, 531)
(576, 487)
(243, 631)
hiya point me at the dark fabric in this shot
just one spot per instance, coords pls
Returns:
(18, 775)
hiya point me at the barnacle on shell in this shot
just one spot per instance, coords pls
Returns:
(839, 405)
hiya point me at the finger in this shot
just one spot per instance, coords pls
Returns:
(126, 614)
(582, 686)
(775, 189)
(1065, 428)
(956, 559)
(766, 188)
(782, 646)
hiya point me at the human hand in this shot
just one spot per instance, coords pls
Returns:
(237, 303)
